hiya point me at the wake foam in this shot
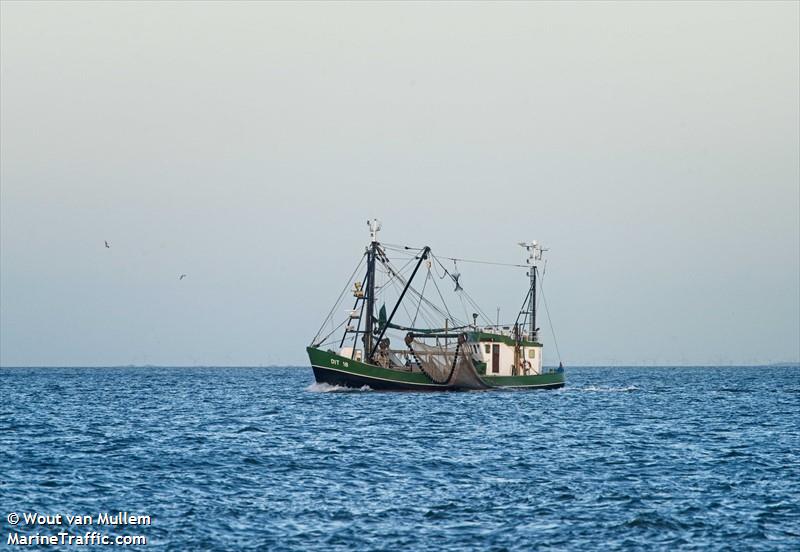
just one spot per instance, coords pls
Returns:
(601, 389)
(328, 388)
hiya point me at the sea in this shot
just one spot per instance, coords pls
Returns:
(650, 458)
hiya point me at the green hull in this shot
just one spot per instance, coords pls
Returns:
(333, 369)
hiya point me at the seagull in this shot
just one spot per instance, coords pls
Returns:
(182, 277)
(107, 246)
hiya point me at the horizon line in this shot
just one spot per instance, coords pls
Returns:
(303, 366)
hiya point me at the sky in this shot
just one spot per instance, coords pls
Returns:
(653, 147)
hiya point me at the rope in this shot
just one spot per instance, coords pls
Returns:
(421, 295)
(550, 322)
(390, 280)
(444, 303)
(404, 248)
(482, 262)
(331, 333)
(347, 285)
(477, 307)
(415, 292)
(463, 306)
(399, 288)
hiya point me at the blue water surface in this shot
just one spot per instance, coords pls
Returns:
(261, 459)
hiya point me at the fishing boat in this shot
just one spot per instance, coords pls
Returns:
(420, 345)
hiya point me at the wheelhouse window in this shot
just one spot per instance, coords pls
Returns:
(531, 353)
(487, 348)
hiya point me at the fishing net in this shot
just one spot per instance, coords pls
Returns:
(449, 364)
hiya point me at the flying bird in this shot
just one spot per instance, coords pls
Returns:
(182, 277)
(107, 246)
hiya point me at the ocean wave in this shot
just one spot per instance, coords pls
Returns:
(251, 429)
(603, 389)
(328, 388)
(629, 459)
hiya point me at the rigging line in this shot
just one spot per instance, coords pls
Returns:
(415, 292)
(436, 258)
(458, 288)
(398, 247)
(477, 307)
(430, 318)
(402, 268)
(541, 278)
(524, 318)
(403, 252)
(485, 317)
(419, 304)
(396, 279)
(420, 311)
(423, 314)
(550, 322)
(446, 273)
(399, 259)
(434, 318)
(405, 247)
(428, 302)
(482, 262)
(434, 308)
(472, 301)
(405, 309)
(399, 287)
(469, 298)
(463, 306)
(454, 319)
(347, 285)
(333, 331)
(412, 257)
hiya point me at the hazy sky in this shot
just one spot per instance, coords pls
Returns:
(653, 147)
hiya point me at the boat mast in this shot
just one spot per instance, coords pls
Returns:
(374, 227)
(532, 330)
(534, 256)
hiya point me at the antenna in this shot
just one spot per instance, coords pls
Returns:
(534, 250)
(374, 228)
